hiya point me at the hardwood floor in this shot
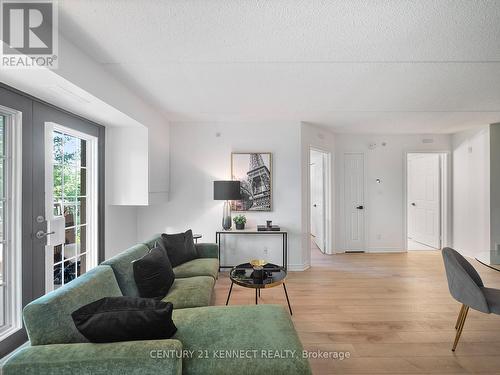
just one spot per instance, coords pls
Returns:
(392, 312)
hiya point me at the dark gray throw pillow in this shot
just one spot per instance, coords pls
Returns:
(153, 274)
(179, 247)
(113, 319)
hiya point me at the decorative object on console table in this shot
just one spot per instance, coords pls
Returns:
(226, 191)
(267, 228)
(254, 171)
(240, 221)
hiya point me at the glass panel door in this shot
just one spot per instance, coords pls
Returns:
(70, 201)
(2, 221)
(10, 234)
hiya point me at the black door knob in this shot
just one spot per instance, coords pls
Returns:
(413, 204)
(314, 205)
(360, 207)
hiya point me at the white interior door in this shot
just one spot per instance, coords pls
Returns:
(317, 182)
(354, 201)
(424, 199)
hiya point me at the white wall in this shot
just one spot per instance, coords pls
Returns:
(384, 202)
(471, 191)
(494, 132)
(159, 163)
(320, 138)
(198, 157)
(97, 79)
(121, 229)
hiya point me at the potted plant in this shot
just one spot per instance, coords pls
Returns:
(240, 221)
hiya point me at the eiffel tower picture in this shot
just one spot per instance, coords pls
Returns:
(253, 170)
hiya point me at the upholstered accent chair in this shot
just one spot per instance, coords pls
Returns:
(466, 287)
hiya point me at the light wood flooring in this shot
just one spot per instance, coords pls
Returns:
(392, 312)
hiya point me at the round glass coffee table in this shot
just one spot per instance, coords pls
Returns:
(271, 275)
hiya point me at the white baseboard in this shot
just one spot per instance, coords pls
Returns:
(379, 250)
(385, 250)
(298, 267)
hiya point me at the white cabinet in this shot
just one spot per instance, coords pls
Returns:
(127, 166)
(137, 165)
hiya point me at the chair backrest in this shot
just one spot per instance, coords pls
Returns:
(463, 281)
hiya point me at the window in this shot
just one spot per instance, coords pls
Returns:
(10, 222)
(72, 198)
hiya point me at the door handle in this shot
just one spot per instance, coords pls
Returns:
(360, 207)
(41, 234)
(315, 205)
(413, 204)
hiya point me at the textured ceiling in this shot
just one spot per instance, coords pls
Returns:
(355, 66)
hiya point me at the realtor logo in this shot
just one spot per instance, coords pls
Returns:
(29, 34)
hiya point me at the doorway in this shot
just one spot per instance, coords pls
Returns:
(320, 222)
(426, 200)
(27, 229)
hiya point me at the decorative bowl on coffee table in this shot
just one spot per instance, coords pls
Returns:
(258, 263)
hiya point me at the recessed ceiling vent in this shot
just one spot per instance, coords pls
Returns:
(427, 140)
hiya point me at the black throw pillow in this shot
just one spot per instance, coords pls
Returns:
(153, 274)
(113, 319)
(179, 247)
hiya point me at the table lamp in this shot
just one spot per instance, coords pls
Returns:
(226, 191)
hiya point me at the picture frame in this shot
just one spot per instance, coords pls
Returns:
(255, 173)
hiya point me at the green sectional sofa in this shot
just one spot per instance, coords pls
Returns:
(209, 340)
(194, 280)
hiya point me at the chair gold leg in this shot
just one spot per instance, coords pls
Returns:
(460, 327)
(459, 316)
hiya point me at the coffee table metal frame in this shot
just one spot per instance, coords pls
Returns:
(258, 287)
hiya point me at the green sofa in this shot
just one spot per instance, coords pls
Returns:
(209, 340)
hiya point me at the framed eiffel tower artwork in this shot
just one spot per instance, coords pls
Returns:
(254, 171)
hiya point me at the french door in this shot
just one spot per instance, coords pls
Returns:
(51, 204)
(70, 204)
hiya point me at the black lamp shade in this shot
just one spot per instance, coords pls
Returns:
(227, 190)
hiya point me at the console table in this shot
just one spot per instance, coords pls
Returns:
(254, 232)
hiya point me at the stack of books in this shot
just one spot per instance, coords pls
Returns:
(265, 228)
